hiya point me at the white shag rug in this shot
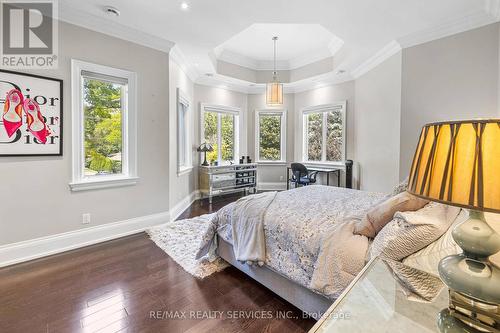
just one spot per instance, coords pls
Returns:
(181, 239)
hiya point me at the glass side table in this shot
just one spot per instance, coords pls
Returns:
(387, 297)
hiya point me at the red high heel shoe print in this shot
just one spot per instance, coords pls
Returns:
(13, 111)
(36, 123)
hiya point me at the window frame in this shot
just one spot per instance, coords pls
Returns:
(221, 109)
(182, 99)
(80, 182)
(324, 108)
(282, 113)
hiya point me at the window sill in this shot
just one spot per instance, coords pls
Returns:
(184, 171)
(271, 163)
(107, 182)
(325, 164)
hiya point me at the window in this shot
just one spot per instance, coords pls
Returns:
(220, 129)
(270, 128)
(324, 133)
(104, 148)
(184, 163)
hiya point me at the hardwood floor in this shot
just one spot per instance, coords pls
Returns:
(130, 285)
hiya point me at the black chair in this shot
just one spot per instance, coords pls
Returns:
(300, 175)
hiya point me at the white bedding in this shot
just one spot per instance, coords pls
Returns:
(308, 235)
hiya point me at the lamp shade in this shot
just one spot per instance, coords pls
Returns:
(274, 93)
(458, 163)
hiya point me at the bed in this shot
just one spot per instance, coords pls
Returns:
(308, 254)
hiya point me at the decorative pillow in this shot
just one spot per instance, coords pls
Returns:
(410, 232)
(400, 188)
(380, 215)
(428, 258)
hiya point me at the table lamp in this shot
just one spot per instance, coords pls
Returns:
(204, 148)
(458, 163)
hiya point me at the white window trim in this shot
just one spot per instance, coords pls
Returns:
(222, 109)
(324, 108)
(283, 113)
(129, 130)
(183, 99)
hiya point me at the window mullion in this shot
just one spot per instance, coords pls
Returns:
(219, 137)
(323, 143)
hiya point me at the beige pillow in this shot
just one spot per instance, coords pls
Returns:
(380, 215)
(410, 232)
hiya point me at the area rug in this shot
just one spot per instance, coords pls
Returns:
(181, 239)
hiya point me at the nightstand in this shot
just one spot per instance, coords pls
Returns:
(388, 296)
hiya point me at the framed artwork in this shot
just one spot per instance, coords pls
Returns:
(31, 115)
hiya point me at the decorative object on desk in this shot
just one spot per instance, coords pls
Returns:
(204, 148)
(249, 160)
(458, 163)
(242, 159)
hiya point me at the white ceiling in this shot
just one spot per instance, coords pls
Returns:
(241, 29)
(297, 45)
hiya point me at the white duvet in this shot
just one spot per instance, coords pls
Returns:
(307, 234)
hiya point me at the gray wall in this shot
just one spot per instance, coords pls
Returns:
(378, 110)
(36, 199)
(181, 186)
(450, 78)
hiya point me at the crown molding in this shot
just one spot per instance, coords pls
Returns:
(112, 28)
(180, 59)
(489, 15)
(382, 55)
(452, 27)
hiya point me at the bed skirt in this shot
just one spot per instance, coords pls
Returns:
(309, 302)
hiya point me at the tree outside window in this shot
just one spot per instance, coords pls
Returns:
(102, 127)
(324, 134)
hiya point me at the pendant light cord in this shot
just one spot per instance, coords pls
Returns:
(275, 39)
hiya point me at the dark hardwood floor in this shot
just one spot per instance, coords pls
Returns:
(130, 285)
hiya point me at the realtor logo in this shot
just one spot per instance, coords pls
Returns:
(29, 34)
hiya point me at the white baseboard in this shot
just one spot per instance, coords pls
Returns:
(271, 186)
(182, 205)
(41, 247)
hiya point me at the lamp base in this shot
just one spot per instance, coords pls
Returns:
(473, 281)
(480, 315)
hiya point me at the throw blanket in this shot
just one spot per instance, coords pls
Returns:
(247, 225)
(304, 234)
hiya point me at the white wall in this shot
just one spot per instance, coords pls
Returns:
(451, 78)
(181, 186)
(35, 196)
(377, 123)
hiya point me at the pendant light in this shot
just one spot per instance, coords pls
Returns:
(274, 89)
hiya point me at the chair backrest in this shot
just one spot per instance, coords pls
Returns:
(299, 170)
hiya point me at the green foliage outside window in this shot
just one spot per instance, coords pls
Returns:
(270, 137)
(314, 136)
(334, 136)
(103, 127)
(227, 135)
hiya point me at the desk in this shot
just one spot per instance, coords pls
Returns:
(327, 170)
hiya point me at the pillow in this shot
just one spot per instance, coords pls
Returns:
(401, 187)
(428, 258)
(378, 216)
(410, 232)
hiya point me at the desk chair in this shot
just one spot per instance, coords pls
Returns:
(300, 175)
